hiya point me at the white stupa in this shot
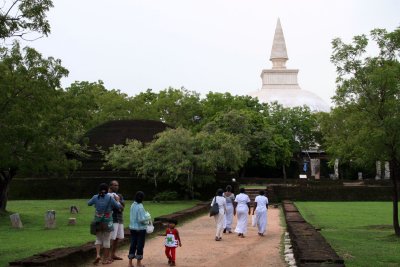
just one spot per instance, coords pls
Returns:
(280, 84)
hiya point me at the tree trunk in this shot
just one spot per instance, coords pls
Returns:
(394, 166)
(155, 181)
(190, 183)
(155, 184)
(5, 180)
(284, 173)
(242, 172)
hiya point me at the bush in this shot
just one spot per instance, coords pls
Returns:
(165, 196)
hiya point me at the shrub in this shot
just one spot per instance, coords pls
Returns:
(165, 196)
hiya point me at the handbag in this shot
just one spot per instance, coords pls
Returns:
(93, 227)
(100, 225)
(214, 210)
(150, 228)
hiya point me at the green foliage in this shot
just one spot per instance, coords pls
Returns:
(360, 232)
(177, 153)
(176, 107)
(364, 126)
(35, 125)
(174, 151)
(19, 18)
(219, 103)
(219, 151)
(33, 238)
(40, 124)
(126, 157)
(297, 125)
(165, 196)
(98, 104)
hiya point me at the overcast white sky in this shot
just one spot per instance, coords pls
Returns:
(207, 45)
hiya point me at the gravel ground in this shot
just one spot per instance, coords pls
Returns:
(200, 249)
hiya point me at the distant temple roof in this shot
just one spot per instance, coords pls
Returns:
(280, 84)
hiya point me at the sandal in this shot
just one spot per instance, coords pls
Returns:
(106, 262)
(97, 260)
(117, 258)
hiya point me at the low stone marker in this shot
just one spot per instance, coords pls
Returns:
(71, 221)
(50, 219)
(74, 210)
(16, 221)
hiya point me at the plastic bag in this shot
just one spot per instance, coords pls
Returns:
(253, 220)
(150, 228)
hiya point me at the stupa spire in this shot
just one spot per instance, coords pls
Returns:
(278, 53)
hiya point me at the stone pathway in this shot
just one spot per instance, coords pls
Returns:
(200, 249)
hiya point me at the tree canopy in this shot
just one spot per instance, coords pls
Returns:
(36, 127)
(26, 19)
(365, 124)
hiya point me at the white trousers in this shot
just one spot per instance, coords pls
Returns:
(228, 217)
(219, 221)
(261, 219)
(241, 226)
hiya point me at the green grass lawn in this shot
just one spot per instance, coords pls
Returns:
(360, 232)
(33, 238)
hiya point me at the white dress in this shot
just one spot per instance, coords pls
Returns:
(242, 211)
(261, 213)
(219, 218)
(229, 211)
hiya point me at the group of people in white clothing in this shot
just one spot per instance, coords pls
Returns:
(229, 206)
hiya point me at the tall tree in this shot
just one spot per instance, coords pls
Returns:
(216, 103)
(143, 106)
(101, 105)
(366, 121)
(178, 107)
(176, 154)
(22, 18)
(36, 132)
(259, 138)
(298, 130)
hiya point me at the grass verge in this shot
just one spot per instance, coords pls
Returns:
(33, 238)
(360, 232)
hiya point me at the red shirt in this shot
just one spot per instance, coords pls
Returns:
(172, 238)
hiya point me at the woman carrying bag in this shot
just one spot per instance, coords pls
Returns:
(104, 204)
(219, 218)
(139, 220)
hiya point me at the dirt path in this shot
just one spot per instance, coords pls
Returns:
(200, 249)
